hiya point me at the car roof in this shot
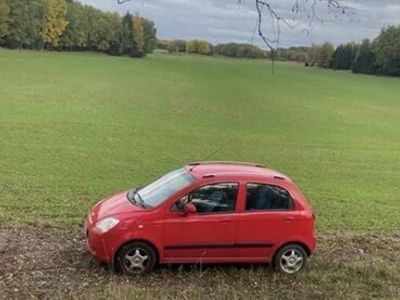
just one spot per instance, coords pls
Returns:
(243, 170)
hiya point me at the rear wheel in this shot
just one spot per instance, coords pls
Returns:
(290, 259)
(136, 258)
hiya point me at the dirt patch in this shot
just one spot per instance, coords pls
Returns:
(51, 263)
(39, 262)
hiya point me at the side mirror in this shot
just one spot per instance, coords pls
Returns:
(189, 208)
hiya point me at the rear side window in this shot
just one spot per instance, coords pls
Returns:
(267, 197)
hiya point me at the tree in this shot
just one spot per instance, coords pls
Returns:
(75, 34)
(108, 26)
(54, 22)
(204, 48)
(69, 25)
(126, 35)
(324, 55)
(343, 57)
(150, 32)
(298, 54)
(198, 47)
(338, 58)
(239, 50)
(114, 35)
(365, 61)
(25, 23)
(387, 50)
(138, 42)
(172, 46)
(92, 22)
(4, 18)
(312, 55)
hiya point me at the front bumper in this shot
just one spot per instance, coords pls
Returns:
(97, 244)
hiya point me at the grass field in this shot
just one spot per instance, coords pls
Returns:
(74, 128)
(77, 127)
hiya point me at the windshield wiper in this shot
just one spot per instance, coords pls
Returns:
(131, 196)
(141, 201)
(136, 198)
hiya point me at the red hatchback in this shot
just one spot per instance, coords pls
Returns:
(206, 212)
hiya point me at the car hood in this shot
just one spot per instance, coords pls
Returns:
(115, 205)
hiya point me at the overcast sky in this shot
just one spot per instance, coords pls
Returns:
(220, 21)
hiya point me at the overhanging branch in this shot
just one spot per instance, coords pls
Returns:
(305, 8)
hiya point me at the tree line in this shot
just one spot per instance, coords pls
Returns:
(69, 25)
(379, 56)
(205, 48)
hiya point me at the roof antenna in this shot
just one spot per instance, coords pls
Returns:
(212, 153)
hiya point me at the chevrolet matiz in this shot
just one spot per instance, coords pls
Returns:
(205, 212)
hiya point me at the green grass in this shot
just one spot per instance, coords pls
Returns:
(76, 127)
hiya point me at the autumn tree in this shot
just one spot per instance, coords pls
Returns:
(54, 22)
(198, 47)
(138, 46)
(313, 54)
(324, 55)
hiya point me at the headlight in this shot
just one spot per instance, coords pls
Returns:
(106, 224)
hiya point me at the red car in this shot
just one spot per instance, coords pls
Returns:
(205, 212)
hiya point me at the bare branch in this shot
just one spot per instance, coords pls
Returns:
(300, 8)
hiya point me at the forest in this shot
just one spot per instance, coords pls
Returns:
(70, 26)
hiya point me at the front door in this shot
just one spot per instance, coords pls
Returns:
(210, 232)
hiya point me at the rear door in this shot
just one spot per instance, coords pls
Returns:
(267, 217)
(208, 233)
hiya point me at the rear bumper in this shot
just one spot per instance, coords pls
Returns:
(312, 244)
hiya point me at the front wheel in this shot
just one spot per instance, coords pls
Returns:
(136, 258)
(290, 259)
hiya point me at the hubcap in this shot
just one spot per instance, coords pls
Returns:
(136, 260)
(291, 261)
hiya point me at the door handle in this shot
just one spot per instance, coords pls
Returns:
(289, 219)
(226, 221)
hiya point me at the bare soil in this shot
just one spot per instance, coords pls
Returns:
(53, 263)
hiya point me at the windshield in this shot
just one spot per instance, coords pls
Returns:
(160, 190)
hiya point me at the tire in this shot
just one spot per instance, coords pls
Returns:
(290, 259)
(136, 258)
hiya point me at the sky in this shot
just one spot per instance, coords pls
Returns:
(221, 21)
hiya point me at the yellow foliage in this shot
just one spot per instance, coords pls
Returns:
(54, 21)
(199, 47)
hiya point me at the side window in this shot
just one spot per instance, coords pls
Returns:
(267, 197)
(212, 198)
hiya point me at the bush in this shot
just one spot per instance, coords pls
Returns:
(199, 47)
(240, 50)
